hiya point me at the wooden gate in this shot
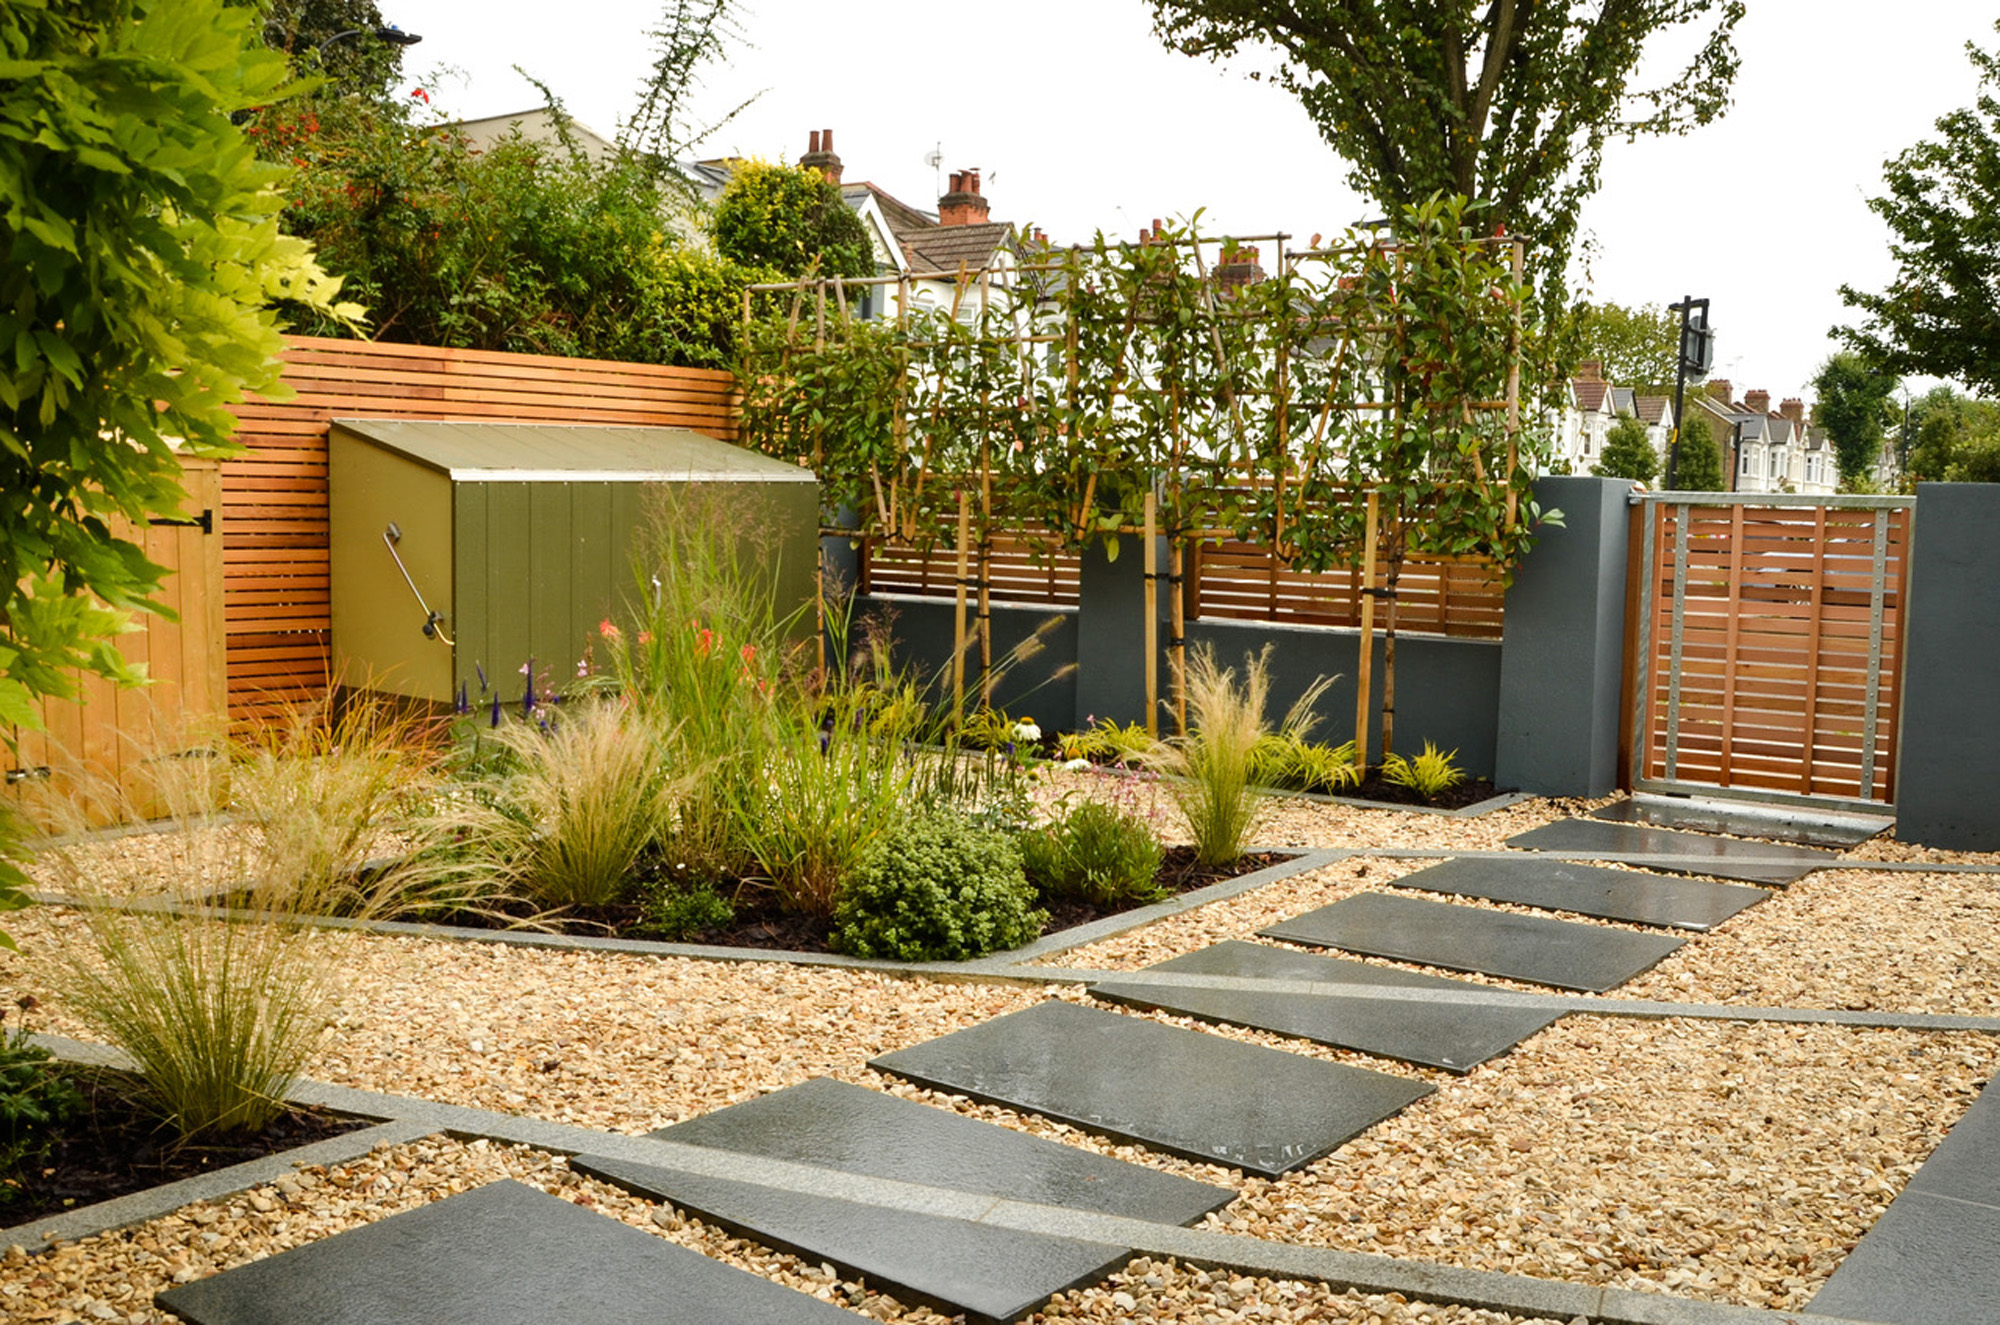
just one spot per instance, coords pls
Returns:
(1767, 645)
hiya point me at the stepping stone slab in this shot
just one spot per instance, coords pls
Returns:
(500, 1253)
(837, 1126)
(1198, 1096)
(989, 1274)
(1771, 822)
(1928, 1261)
(1694, 853)
(1562, 953)
(1454, 1036)
(1589, 890)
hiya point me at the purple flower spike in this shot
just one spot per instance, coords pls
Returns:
(464, 699)
(528, 694)
(496, 710)
(483, 687)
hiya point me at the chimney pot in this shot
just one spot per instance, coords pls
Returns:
(1591, 370)
(1757, 402)
(819, 155)
(826, 140)
(1718, 389)
(963, 205)
(812, 143)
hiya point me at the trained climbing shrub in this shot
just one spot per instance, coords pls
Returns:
(937, 889)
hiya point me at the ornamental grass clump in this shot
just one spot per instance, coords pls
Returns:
(581, 799)
(1213, 765)
(1103, 854)
(1291, 761)
(1429, 774)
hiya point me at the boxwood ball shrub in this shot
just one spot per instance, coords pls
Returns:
(937, 889)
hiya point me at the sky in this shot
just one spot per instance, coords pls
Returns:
(1081, 121)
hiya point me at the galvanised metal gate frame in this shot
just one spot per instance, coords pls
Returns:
(1880, 569)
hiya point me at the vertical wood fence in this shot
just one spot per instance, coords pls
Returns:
(115, 734)
(274, 500)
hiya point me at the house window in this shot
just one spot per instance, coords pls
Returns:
(1746, 464)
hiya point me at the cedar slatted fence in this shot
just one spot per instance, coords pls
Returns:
(1786, 669)
(274, 500)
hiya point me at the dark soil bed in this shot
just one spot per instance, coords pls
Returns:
(113, 1149)
(1470, 792)
(759, 923)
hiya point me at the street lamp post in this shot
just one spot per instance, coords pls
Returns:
(1696, 354)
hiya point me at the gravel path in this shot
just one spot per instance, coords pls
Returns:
(1727, 1161)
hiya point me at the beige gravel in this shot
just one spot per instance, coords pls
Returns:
(1725, 1161)
(114, 1277)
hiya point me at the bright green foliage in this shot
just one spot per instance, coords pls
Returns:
(36, 1099)
(937, 889)
(1428, 774)
(1628, 453)
(1291, 761)
(1699, 465)
(1854, 407)
(1508, 103)
(792, 222)
(1954, 439)
(1108, 742)
(526, 247)
(1104, 854)
(1938, 317)
(139, 249)
(1638, 347)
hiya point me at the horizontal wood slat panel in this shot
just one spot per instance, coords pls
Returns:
(274, 498)
(1454, 596)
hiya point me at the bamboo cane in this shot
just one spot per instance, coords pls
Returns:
(958, 640)
(1151, 560)
(1361, 680)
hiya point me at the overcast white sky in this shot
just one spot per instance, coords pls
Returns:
(1081, 120)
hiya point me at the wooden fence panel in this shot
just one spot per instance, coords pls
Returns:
(1016, 572)
(1455, 596)
(274, 500)
(116, 734)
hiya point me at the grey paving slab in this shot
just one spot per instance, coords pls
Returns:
(1966, 1164)
(990, 1274)
(1672, 901)
(1766, 821)
(1563, 953)
(1454, 1036)
(1929, 1260)
(1184, 1092)
(838, 1126)
(496, 1255)
(1697, 853)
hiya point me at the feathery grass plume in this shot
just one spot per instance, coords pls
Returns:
(579, 802)
(218, 986)
(1214, 762)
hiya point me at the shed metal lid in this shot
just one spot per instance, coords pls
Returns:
(569, 452)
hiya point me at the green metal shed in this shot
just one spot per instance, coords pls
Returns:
(465, 545)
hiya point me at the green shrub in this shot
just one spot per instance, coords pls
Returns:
(1428, 774)
(676, 911)
(1100, 853)
(1108, 742)
(36, 1100)
(937, 889)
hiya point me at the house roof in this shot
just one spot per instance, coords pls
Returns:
(537, 124)
(1590, 393)
(1621, 400)
(949, 248)
(899, 214)
(1652, 409)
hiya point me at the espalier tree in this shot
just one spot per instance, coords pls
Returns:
(141, 250)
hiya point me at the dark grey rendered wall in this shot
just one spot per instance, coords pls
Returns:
(1949, 759)
(1562, 660)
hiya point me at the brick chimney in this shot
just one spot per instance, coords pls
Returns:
(819, 156)
(1591, 370)
(963, 205)
(1795, 410)
(1757, 402)
(1238, 269)
(1719, 389)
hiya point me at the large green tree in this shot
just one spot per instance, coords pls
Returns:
(1854, 409)
(791, 221)
(1698, 467)
(1639, 347)
(1939, 316)
(1628, 453)
(1953, 439)
(342, 39)
(139, 251)
(1509, 102)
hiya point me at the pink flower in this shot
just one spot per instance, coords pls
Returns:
(608, 629)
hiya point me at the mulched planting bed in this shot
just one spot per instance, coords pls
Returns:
(113, 1149)
(1470, 792)
(760, 923)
